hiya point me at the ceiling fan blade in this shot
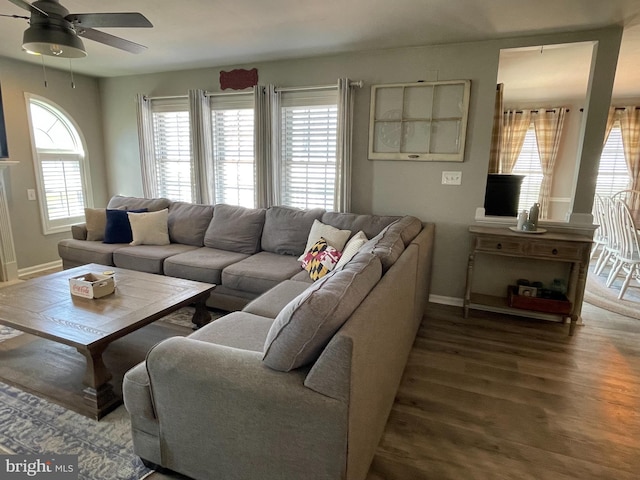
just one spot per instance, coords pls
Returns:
(29, 7)
(101, 20)
(111, 40)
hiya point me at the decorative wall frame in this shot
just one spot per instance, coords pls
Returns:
(423, 121)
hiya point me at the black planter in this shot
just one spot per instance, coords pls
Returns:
(502, 195)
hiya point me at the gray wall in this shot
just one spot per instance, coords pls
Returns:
(83, 104)
(381, 187)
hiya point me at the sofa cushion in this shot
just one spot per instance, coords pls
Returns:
(118, 228)
(390, 243)
(96, 222)
(371, 225)
(304, 327)
(147, 258)
(260, 272)
(234, 228)
(81, 252)
(409, 228)
(135, 203)
(188, 222)
(149, 228)
(302, 276)
(272, 301)
(335, 237)
(203, 264)
(286, 229)
(238, 330)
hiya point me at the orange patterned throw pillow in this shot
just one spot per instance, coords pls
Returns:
(320, 259)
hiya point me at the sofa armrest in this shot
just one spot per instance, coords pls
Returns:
(221, 409)
(79, 231)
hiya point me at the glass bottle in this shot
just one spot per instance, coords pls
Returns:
(522, 218)
(533, 215)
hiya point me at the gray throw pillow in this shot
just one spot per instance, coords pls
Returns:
(235, 229)
(304, 327)
(286, 229)
(188, 222)
(387, 245)
(136, 203)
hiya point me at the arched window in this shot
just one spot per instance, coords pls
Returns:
(60, 165)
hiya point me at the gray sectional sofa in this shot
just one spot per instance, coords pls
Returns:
(298, 381)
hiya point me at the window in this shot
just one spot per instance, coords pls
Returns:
(233, 152)
(528, 164)
(307, 157)
(613, 175)
(172, 149)
(60, 165)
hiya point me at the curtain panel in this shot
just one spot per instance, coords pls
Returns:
(630, 128)
(342, 197)
(147, 150)
(201, 147)
(265, 107)
(548, 126)
(515, 126)
(498, 127)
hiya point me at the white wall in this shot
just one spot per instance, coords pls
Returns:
(83, 104)
(382, 187)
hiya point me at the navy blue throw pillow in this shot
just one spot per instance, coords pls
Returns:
(118, 228)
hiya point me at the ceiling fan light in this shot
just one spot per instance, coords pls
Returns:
(55, 42)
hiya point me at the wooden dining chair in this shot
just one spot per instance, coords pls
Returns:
(627, 259)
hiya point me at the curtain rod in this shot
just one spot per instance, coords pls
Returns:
(553, 110)
(358, 84)
(168, 97)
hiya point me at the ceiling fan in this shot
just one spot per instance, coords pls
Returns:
(56, 32)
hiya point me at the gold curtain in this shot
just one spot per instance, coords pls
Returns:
(611, 119)
(548, 126)
(496, 135)
(514, 130)
(630, 129)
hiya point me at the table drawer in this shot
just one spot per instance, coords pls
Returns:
(554, 250)
(499, 245)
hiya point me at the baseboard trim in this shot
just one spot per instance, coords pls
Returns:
(39, 268)
(441, 299)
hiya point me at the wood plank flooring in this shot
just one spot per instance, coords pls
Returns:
(499, 397)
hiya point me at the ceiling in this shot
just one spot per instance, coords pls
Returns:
(205, 33)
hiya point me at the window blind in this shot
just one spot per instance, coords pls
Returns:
(528, 164)
(62, 176)
(613, 175)
(308, 156)
(232, 122)
(172, 146)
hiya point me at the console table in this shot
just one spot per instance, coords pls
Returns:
(549, 246)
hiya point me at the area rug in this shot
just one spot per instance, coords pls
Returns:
(597, 293)
(30, 424)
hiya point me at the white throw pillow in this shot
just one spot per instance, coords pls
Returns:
(352, 247)
(334, 237)
(149, 228)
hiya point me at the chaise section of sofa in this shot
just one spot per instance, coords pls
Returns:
(239, 416)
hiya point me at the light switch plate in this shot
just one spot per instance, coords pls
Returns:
(451, 178)
(31, 194)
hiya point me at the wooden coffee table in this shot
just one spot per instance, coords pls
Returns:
(45, 307)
